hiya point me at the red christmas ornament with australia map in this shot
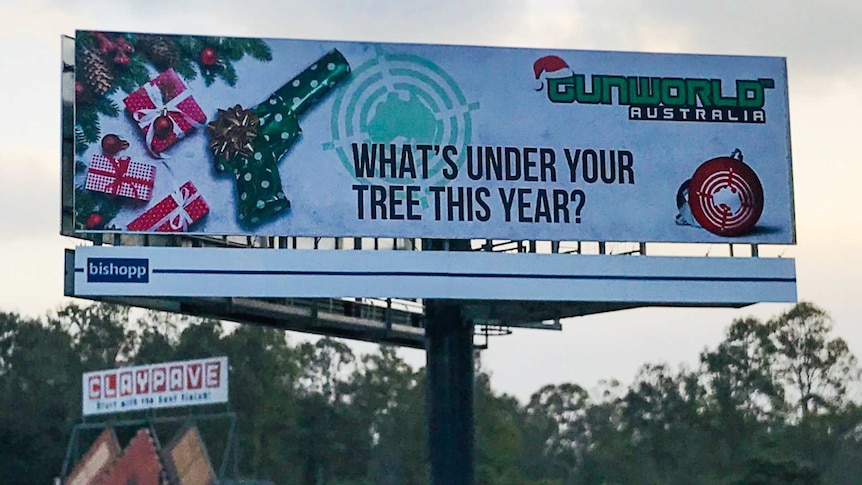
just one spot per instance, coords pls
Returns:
(726, 196)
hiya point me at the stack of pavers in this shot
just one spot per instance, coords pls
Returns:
(184, 461)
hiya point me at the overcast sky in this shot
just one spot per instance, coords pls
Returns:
(822, 43)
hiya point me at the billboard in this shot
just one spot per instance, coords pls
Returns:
(246, 136)
(169, 384)
(274, 273)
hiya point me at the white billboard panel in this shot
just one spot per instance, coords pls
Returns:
(223, 272)
(169, 384)
(324, 138)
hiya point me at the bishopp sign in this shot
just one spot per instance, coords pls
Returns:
(458, 275)
(170, 384)
(316, 138)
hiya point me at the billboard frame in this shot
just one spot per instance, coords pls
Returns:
(776, 67)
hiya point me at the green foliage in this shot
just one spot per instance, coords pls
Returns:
(315, 413)
(760, 471)
(87, 128)
(99, 333)
(186, 61)
(499, 438)
(88, 202)
(131, 76)
(228, 73)
(226, 49)
(815, 367)
(39, 397)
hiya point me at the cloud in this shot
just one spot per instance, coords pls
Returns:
(30, 199)
(444, 21)
(33, 274)
(819, 36)
(819, 41)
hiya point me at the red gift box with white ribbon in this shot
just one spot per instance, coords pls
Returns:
(164, 102)
(174, 213)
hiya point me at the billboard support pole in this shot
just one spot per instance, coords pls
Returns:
(449, 362)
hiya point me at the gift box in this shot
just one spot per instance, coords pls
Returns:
(165, 110)
(121, 176)
(174, 213)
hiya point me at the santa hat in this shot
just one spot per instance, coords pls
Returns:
(550, 67)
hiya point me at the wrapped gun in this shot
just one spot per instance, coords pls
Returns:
(249, 142)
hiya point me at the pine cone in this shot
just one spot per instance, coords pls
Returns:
(97, 72)
(160, 50)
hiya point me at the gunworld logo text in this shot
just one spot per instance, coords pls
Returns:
(656, 98)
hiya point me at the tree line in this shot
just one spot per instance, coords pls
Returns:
(772, 403)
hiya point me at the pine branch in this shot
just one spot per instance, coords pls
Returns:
(132, 76)
(81, 143)
(189, 46)
(79, 135)
(86, 38)
(232, 49)
(186, 69)
(259, 50)
(88, 122)
(88, 202)
(106, 106)
(135, 38)
(229, 74)
(209, 76)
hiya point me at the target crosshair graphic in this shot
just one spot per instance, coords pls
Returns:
(726, 196)
(401, 99)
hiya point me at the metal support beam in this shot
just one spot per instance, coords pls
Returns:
(449, 363)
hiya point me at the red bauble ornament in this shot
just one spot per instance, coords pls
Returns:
(209, 57)
(95, 221)
(112, 144)
(726, 196)
(163, 126)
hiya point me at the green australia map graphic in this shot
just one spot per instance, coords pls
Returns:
(402, 100)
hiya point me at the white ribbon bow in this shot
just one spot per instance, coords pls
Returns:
(179, 219)
(146, 117)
